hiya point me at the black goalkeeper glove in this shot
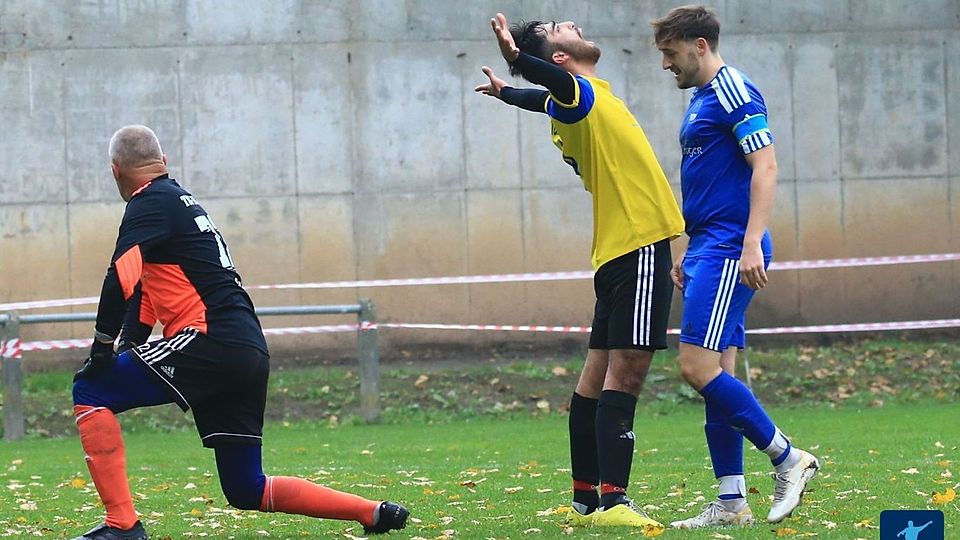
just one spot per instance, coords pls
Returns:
(101, 358)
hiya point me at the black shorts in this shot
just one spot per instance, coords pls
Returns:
(225, 386)
(634, 292)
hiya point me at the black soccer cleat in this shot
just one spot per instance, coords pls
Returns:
(392, 516)
(105, 532)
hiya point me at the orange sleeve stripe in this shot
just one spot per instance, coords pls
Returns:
(129, 269)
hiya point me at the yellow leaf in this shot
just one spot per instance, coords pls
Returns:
(78, 483)
(512, 489)
(947, 496)
(785, 531)
(559, 371)
(649, 531)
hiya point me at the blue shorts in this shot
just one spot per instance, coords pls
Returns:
(714, 302)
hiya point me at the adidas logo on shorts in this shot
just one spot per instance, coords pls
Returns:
(168, 370)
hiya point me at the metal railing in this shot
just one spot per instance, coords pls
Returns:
(367, 346)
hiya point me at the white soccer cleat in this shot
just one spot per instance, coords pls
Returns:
(716, 514)
(789, 486)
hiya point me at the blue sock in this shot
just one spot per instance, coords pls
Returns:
(737, 404)
(726, 448)
(241, 474)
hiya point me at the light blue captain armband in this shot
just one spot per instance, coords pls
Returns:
(752, 133)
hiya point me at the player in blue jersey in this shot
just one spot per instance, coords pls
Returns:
(728, 178)
(172, 266)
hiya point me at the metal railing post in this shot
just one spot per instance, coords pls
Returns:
(13, 425)
(369, 353)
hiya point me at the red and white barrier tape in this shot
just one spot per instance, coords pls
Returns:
(514, 278)
(15, 348)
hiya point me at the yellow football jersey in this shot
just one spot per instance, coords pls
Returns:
(633, 205)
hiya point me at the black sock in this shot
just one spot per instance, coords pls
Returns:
(615, 440)
(583, 449)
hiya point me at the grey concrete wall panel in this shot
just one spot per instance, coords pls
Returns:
(325, 232)
(24, 227)
(228, 22)
(261, 234)
(767, 60)
(773, 17)
(32, 151)
(820, 235)
(784, 223)
(896, 216)
(413, 235)
(468, 20)
(892, 83)
(495, 246)
(490, 127)
(96, 104)
(92, 233)
(653, 97)
(237, 115)
(323, 119)
(557, 229)
(66, 24)
(541, 162)
(409, 121)
(816, 107)
(870, 15)
(377, 20)
(952, 64)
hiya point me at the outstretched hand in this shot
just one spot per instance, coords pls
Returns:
(493, 87)
(508, 48)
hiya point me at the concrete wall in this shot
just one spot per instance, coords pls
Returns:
(341, 139)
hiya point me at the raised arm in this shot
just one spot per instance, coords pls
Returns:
(531, 99)
(558, 81)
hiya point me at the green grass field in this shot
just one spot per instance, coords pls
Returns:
(499, 478)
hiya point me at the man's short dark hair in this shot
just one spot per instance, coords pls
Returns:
(531, 38)
(688, 23)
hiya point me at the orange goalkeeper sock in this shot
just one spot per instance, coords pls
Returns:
(298, 496)
(107, 461)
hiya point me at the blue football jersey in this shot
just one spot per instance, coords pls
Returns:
(726, 120)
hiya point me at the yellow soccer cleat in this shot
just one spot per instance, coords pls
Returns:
(576, 519)
(627, 514)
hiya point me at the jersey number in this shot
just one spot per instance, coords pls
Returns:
(206, 225)
(573, 163)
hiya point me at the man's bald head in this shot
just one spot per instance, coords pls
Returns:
(135, 146)
(135, 158)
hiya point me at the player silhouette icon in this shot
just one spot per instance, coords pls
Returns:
(910, 532)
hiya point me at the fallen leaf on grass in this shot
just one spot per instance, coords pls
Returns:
(78, 483)
(559, 371)
(650, 531)
(513, 489)
(911, 470)
(785, 531)
(719, 536)
(420, 381)
(943, 498)
(865, 524)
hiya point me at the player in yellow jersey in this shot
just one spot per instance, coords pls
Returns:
(635, 216)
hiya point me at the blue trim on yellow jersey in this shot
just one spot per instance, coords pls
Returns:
(576, 111)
